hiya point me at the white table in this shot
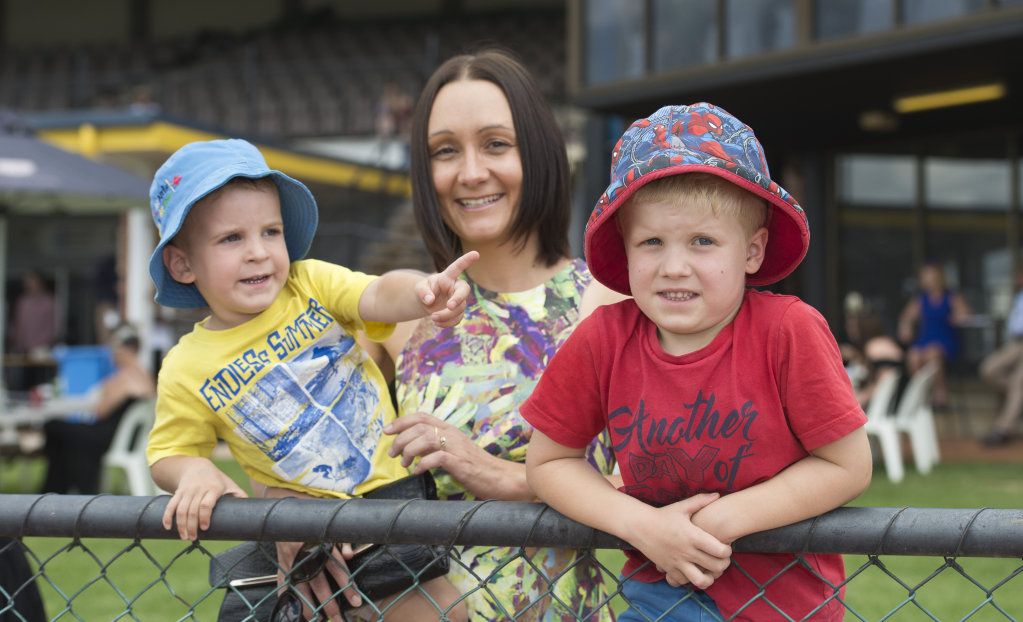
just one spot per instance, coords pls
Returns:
(14, 415)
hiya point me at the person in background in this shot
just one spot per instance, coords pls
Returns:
(33, 331)
(1003, 368)
(490, 173)
(882, 355)
(935, 314)
(392, 116)
(74, 449)
(868, 352)
(857, 327)
(108, 288)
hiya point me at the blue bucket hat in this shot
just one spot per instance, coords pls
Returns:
(698, 138)
(193, 172)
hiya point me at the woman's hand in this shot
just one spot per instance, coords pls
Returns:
(317, 586)
(438, 444)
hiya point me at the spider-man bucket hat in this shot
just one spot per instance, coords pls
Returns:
(698, 138)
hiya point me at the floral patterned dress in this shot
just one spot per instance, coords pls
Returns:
(475, 376)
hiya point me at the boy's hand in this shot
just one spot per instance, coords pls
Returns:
(443, 294)
(677, 547)
(200, 486)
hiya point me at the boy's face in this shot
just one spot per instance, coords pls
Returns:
(232, 247)
(687, 269)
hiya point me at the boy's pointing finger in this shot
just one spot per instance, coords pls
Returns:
(459, 294)
(461, 264)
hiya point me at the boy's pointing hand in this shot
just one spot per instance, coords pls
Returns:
(443, 294)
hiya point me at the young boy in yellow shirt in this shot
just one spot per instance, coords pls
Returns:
(275, 370)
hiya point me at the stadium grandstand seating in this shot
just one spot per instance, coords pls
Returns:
(319, 76)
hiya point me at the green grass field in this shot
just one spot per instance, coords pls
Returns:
(950, 596)
(162, 579)
(873, 594)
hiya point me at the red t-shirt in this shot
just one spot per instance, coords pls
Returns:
(765, 392)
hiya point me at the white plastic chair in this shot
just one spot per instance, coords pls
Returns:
(882, 425)
(915, 417)
(128, 449)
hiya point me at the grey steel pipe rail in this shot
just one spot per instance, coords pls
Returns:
(863, 530)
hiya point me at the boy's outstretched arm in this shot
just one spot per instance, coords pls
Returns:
(197, 484)
(831, 476)
(402, 295)
(563, 478)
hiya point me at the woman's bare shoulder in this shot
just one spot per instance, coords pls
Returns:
(596, 295)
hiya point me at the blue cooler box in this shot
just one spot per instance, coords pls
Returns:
(80, 368)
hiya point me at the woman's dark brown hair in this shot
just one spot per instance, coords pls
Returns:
(544, 206)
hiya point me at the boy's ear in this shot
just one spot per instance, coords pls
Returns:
(755, 250)
(176, 262)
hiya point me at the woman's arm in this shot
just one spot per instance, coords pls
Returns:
(831, 476)
(907, 319)
(439, 444)
(595, 295)
(122, 385)
(961, 311)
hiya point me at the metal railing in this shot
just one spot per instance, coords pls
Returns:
(83, 548)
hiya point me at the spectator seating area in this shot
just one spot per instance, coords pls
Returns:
(310, 77)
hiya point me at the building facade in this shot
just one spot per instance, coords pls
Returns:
(897, 123)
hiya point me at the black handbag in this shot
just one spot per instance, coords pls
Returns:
(378, 572)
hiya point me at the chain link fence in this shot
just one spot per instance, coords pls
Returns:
(109, 558)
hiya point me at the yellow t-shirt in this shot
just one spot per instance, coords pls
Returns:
(299, 403)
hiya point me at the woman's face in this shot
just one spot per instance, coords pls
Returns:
(932, 279)
(475, 161)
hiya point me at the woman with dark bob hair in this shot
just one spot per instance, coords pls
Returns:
(490, 173)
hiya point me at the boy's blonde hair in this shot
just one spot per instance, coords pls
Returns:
(724, 198)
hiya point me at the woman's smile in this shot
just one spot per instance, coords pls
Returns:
(480, 202)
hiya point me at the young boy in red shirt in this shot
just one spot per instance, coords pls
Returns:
(729, 409)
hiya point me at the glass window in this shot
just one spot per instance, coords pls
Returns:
(876, 262)
(876, 179)
(615, 40)
(920, 11)
(841, 18)
(971, 184)
(685, 33)
(759, 26)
